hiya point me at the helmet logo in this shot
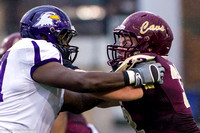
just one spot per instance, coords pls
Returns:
(46, 19)
(54, 17)
(146, 27)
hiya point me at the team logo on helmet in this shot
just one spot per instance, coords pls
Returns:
(146, 27)
(46, 19)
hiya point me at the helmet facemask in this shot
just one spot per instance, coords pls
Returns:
(116, 52)
(63, 38)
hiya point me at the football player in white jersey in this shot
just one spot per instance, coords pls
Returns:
(32, 76)
(74, 122)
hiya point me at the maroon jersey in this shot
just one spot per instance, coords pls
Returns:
(163, 108)
(76, 123)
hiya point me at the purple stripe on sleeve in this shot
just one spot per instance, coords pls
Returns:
(37, 59)
(42, 63)
(37, 52)
(2, 71)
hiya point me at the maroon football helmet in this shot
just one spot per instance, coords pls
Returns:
(150, 30)
(8, 42)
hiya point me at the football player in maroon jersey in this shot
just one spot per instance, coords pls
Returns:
(157, 108)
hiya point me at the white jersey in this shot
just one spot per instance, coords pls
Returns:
(25, 105)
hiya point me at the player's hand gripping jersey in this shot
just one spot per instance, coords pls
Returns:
(36, 105)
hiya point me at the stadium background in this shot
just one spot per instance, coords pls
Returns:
(95, 20)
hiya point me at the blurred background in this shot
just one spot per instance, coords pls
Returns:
(95, 20)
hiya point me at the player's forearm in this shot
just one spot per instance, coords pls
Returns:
(56, 75)
(77, 102)
(99, 81)
(127, 93)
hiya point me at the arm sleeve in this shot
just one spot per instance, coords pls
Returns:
(41, 53)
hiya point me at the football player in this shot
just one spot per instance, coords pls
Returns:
(157, 108)
(33, 79)
(75, 123)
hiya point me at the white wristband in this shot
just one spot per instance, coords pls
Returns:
(131, 75)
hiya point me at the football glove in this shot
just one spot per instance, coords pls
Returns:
(145, 73)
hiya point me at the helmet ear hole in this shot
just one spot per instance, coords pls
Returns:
(146, 38)
(43, 36)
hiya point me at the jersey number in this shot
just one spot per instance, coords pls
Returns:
(175, 75)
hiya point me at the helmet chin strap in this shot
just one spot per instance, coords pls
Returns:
(64, 51)
(68, 53)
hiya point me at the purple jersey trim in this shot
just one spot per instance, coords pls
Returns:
(42, 63)
(37, 52)
(37, 59)
(2, 71)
